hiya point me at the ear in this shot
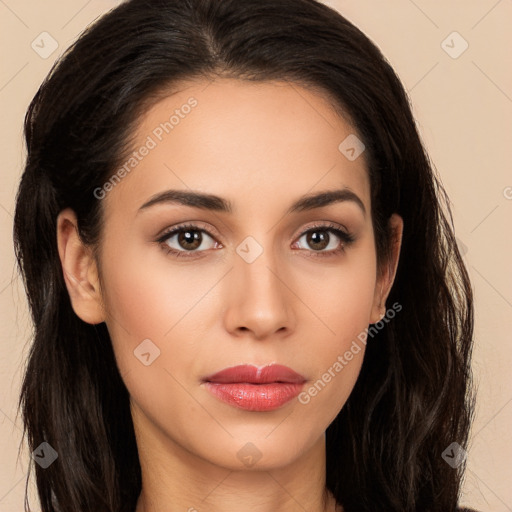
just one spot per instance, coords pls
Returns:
(79, 269)
(386, 276)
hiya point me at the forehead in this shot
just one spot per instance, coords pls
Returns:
(251, 142)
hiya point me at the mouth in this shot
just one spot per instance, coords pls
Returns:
(255, 388)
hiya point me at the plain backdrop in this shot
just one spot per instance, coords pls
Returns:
(455, 60)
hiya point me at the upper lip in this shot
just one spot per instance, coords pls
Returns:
(256, 375)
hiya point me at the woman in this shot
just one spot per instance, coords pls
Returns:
(242, 271)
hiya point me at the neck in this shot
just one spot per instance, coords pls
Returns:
(176, 480)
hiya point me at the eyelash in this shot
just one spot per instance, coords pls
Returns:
(346, 239)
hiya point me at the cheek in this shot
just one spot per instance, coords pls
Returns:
(342, 307)
(146, 295)
(340, 295)
(152, 331)
(161, 317)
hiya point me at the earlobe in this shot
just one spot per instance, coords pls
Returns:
(387, 276)
(79, 270)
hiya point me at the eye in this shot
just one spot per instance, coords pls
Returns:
(187, 240)
(184, 239)
(326, 239)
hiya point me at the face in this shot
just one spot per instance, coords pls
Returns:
(257, 276)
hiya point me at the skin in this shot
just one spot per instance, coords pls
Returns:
(261, 146)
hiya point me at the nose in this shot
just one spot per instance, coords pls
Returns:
(259, 299)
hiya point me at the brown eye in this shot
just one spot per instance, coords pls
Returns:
(187, 239)
(325, 240)
(321, 239)
(318, 239)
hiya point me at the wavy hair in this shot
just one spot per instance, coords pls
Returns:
(414, 394)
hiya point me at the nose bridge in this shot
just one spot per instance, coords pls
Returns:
(257, 275)
(255, 268)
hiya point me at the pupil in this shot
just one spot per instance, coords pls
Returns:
(190, 238)
(316, 240)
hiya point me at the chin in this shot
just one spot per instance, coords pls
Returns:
(257, 452)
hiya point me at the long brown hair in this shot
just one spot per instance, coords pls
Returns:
(413, 397)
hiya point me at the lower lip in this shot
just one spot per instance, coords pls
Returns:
(255, 397)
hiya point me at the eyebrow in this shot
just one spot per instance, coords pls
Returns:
(216, 203)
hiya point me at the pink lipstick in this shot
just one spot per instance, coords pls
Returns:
(255, 389)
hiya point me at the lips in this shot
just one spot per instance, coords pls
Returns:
(255, 389)
(253, 375)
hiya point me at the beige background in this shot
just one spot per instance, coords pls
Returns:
(463, 107)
